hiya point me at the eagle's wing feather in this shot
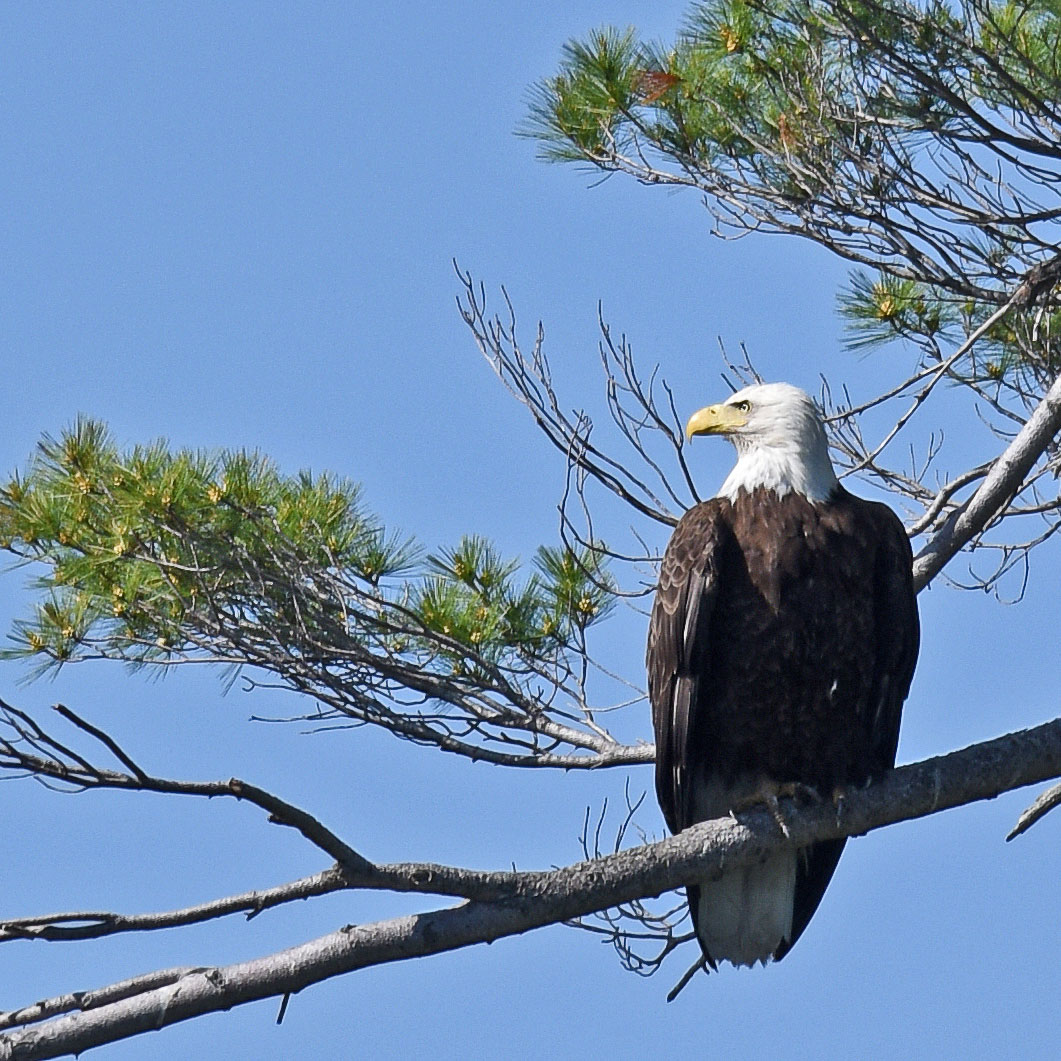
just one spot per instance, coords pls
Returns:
(898, 636)
(678, 653)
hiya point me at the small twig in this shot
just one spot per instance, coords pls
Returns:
(284, 813)
(283, 1007)
(92, 924)
(677, 989)
(1042, 806)
(104, 738)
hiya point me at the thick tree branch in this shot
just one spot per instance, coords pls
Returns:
(979, 772)
(998, 489)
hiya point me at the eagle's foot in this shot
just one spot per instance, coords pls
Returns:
(775, 812)
(769, 793)
(799, 791)
(839, 795)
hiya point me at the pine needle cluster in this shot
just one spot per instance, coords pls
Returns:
(921, 141)
(152, 555)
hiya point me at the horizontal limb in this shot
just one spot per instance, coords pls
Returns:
(534, 900)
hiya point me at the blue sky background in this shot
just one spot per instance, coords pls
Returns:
(232, 225)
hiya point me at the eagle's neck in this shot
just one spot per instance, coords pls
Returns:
(797, 464)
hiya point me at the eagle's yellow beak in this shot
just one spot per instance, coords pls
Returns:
(715, 420)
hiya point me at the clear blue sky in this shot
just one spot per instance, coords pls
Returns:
(231, 225)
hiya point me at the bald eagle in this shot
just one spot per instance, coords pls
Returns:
(781, 647)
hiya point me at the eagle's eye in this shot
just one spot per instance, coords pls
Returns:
(742, 407)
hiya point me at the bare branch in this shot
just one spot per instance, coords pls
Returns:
(997, 490)
(93, 924)
(979, 772)
(86, 1000)
(1042, 806)
(80, 773)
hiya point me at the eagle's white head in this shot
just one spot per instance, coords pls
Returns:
(780, 441)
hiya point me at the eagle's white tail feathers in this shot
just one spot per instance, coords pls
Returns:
(744, 916)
